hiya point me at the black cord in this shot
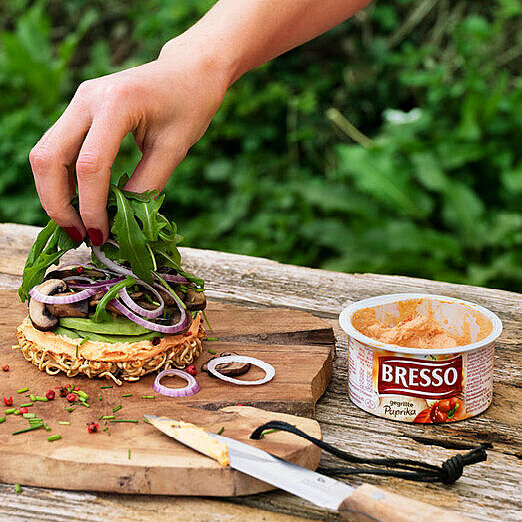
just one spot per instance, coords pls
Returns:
(450, 470)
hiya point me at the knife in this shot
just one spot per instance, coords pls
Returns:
(364, 502)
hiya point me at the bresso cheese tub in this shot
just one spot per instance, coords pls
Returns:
(420, 357)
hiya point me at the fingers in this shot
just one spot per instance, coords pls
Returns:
(50, 161)
(155, 167)
(93, 171)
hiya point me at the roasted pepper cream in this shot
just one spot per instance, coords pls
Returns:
(420, 358)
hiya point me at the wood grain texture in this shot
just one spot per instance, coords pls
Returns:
(487, 491)
(302, 359)
(78, 461)
(140, 459)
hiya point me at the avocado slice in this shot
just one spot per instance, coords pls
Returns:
(117, 326)
(79, 334)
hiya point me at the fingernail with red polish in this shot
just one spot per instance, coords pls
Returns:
(96, 236)
(74, 234)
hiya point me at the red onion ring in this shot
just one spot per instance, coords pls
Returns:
(135, 307)
(111, 265)
(65, 299)
(116, 267)
(79, 278)
(88, 266)
(268, 369)
(171, 278)
(129, 314)
(191, 388)
(97, 284)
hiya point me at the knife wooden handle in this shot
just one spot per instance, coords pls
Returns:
(371, 503)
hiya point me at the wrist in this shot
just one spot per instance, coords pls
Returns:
(209, 59)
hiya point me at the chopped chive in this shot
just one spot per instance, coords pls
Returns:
(266, 432)
(47, 427)
(32, 397)
(107, 417)
(64, 423)
(148, 397)
(221, 430)
(9, 411)
(70, 409)
(147, 421)
(3, 419)
(82, 399)
(166, 285)
(134, 421)
(213, 352)
(42, 399)
(84, 340)
(82, 394)
(18, 489)
(26, 405)
(100, 417)
(105, 387)
(25, 430)
(76, 355)
(99, 397)
(206, 320)
(211, 339)
(116, 408)
(16, 412)
(127, 395)
(86, 404)
(22, 390)
(106, 430)
(54, 437)
(129, 454)
(29, 415)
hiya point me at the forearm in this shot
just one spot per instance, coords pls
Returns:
(238, 35)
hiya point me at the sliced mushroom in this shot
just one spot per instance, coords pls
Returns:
(80, 309)
(233, 369)
(39, 314)
(71, 271)
(167, 297)
(195, 300)
(172, 316)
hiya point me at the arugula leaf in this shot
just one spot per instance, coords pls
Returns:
(40, 242)
(101, 314)
(169, 254)
(147, 212)
(130, 238)
(50, 245)
(146, 239)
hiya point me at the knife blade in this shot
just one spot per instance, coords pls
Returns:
(366, 501)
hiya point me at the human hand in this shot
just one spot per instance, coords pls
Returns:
(167, 104)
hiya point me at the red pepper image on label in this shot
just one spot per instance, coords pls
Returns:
(419, 377)
(445, 410)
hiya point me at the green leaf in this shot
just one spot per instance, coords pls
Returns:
(50, 245)
(373, 172)
(131, 239)
(147, 213)
(101, 315)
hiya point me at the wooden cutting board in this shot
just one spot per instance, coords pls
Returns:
(299, 346)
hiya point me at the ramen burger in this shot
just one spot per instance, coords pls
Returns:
(130, 311)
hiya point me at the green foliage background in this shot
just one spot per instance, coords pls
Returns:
(391, 144)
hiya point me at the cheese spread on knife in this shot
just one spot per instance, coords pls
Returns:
(194, 437)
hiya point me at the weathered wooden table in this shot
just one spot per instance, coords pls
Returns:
(487, 491)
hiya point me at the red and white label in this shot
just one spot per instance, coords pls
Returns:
(420, 377)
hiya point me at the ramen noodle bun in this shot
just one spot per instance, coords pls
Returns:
(118, 361)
